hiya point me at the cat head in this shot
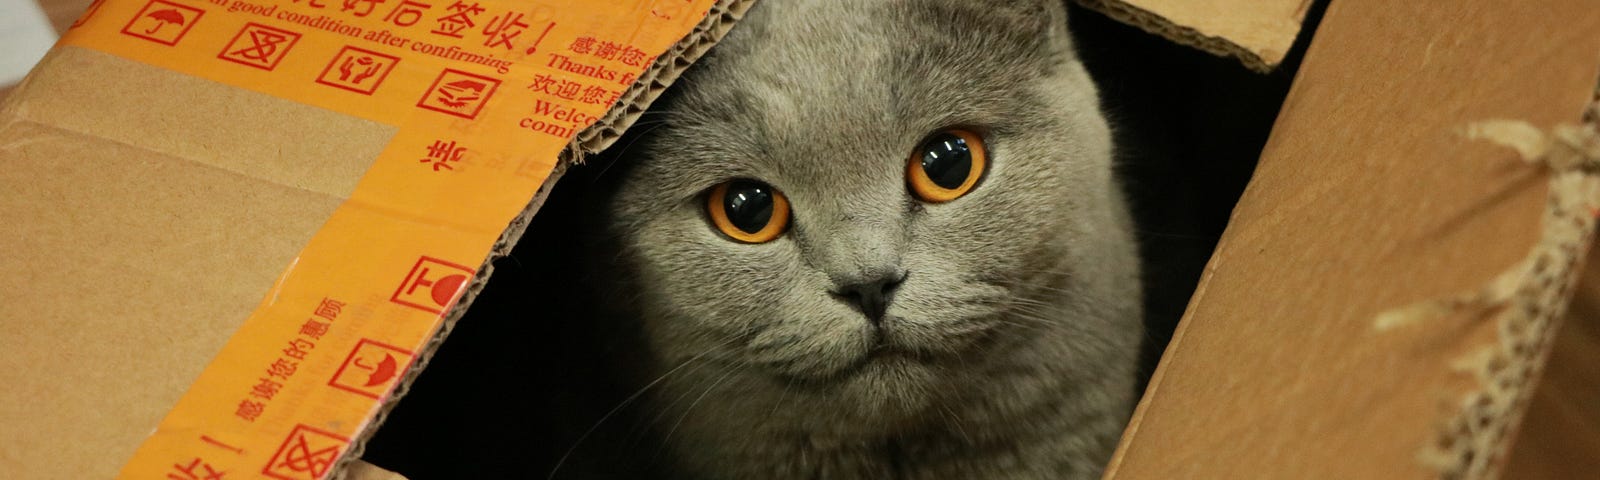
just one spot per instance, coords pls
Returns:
(863, 196)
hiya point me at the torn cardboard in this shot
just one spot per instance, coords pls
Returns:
(1258, 33)
(1367, 198)
(159, 210)
(1560, 434)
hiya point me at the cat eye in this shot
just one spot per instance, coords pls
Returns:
(748, 211)
(946, 165)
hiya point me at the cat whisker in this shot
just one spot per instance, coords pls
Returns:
(631, 398)
(665, 440)
(617, 157)
(1099, 339)
(641, 427)
(954, 420)
(788, 384)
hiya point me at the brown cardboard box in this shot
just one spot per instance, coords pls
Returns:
(1369, 198)
(154, 214)
(1258, 33)
(1276, 372)
(1355, 212)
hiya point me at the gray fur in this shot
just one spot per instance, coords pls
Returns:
(1010, 350)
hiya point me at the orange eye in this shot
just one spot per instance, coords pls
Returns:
(947, 165)
(748, 211)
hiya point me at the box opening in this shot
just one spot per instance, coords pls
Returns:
(1189, 127)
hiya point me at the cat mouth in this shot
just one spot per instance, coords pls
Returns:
(882, 359)
(887, 354)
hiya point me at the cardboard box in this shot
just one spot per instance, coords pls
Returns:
(161, 207)
(1258, 33)
(1370, 197)
(243, 226)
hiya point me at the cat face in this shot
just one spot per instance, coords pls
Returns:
(870, 197)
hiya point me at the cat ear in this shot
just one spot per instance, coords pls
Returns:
(1048, 18)
(1036, 19)
(1042, 16)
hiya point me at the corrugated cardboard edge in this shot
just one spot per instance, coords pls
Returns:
(1260, 61)
(1475, 440)
(666, 70)
(633, 103)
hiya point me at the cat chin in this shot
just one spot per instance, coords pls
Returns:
(899, 359)
(883, 379)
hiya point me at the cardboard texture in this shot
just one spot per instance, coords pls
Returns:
(141, 260)
(160, 211)
(1560, 436)
(1369, 198)
(1258, 33)
(156, 209)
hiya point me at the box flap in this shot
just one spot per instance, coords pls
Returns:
(1258, 33)
(199, 190)
(139, 261)
(1367, 198)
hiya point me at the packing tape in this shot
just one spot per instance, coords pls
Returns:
(485, 95)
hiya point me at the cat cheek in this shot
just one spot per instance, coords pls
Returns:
(806, 352)
(808, 337)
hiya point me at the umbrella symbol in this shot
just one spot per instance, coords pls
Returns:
(162, 18)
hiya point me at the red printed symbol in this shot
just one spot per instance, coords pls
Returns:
(535, 47)
(501, 32)
(667, 9)
(406, 14)
(259, 46)
(307, 454)
(432, 285)
(163, 22)
(195, 470)
(357, 70)
(371, 369)
(440, 154)
(461, 19)
(459, 93)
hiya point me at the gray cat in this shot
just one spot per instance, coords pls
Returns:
(879, 239)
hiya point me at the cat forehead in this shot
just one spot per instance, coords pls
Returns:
(818, 73)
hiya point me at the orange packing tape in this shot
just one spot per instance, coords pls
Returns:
(485, 94)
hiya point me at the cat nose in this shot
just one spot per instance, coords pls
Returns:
(872, 295)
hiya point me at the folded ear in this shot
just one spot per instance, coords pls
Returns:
(1038, 16)
(1025, 23)
(1036, 10)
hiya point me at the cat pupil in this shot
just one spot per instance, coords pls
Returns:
(947, 160)
(748, 205)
